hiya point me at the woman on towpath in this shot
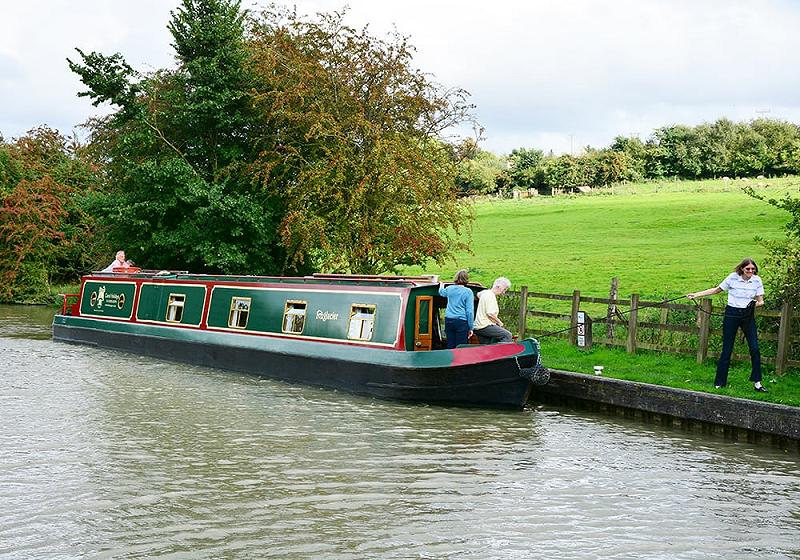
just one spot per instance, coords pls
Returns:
(745, 293)
(460, 312)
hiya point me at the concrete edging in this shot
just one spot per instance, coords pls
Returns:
(762, 418)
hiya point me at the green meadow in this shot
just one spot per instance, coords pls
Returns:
(661, 240)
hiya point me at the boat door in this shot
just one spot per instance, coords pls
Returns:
(423, 328)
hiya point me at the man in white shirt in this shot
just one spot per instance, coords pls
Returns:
(118, 262)
(488, 326)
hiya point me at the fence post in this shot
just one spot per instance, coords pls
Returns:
(662, 323)
(633, 324)
(784, 331)
(612, 308)
(523, 311)
(704, 326)
(573, 318)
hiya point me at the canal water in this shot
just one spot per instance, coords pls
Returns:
(112, 455)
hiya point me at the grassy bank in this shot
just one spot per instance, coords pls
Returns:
(670, 370)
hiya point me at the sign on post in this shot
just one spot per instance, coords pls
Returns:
(584, 330)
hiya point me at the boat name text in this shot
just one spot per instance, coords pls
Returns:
(326, 315)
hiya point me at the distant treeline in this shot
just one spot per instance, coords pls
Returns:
(723, 148)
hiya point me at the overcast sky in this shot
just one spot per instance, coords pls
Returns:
(553, 75)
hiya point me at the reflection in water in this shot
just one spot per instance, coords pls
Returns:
(105, 454)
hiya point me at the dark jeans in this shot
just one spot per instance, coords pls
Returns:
(456, 331)
(735, 319)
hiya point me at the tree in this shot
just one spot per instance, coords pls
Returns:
(605, 167)
(750, 152)
(636, 153)
(565, 171)
(277, 144)
(352, 135)
(717, 142)
(43, 230)
(680, 152)
(783, 145)
(180, 192)
(782, 264)
(525, 168)
(480, 173)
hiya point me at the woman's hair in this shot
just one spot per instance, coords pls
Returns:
(740, 267)
(461, 277)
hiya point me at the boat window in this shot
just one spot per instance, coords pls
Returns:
(362, 321)
(240, 312)
(175, 307)
(294, 317)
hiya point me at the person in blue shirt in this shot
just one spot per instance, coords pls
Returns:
(745, 293)
(460, 312)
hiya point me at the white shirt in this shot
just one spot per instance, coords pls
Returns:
(740, 291)
(487, 305)
(114, 264)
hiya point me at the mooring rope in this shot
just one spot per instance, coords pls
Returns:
(751, 307)
(619, 314)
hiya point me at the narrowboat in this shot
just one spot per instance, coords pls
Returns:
(373, 335)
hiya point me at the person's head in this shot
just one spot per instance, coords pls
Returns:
(121, 256)
(462, 277)
(501, 285)
(746, 268)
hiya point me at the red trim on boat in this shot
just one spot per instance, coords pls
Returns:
(483, 353)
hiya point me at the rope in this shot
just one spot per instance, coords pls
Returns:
(621, 314)
(617, 313)
(751, 307)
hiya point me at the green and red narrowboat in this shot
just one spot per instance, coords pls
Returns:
(372, 335)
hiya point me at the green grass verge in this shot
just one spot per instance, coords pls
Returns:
(670, 370)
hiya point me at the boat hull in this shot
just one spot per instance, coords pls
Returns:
(480, 376)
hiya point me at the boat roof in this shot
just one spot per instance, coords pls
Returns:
(398, 281)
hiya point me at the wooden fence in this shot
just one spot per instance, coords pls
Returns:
(620, 325)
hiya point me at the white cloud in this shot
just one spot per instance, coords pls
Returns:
(36, 38)
(543, 74)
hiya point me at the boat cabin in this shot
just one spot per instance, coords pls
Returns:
(397, 312)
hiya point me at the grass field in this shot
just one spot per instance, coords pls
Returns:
(658, 238)
(661, 240)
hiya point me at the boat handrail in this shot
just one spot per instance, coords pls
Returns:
(73, 306)
(433, 278)
(121, 271)
(377, 278)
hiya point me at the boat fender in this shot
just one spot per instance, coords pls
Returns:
(538, 374)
